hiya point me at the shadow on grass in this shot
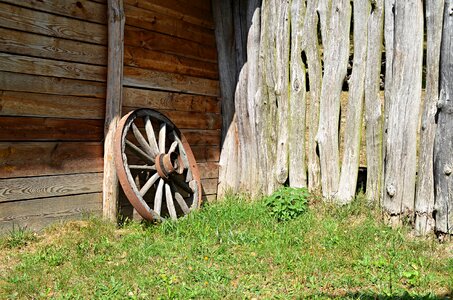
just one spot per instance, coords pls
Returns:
(373, 296)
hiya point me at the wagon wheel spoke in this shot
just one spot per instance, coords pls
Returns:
(139, 152)
(151, 136)
(162, 167)
(158, 197)
(143, 167)
(182, 152)
(173, 147)
(180, 199)
(182, 184)
(170, 203)
(141, 140)
(162, 137)
(145, 188)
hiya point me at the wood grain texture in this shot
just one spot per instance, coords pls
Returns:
(443, 158)
(79, 9)
(149, 79)
(49, 186)
(297, 101)
(169, 101)
(208, 170)
(206, 153)
(373, 103)
(110, 185)
(209, 186)
(36, 45)
(49, 129)
(166, 62)
(168, 44)
(44, 105)
(51, 85)
(48, 67)
(350, 162)
(52, 158)
(178, 9)
(155, 21)
(39, 213)
(424, 197)
(336, 54)
(202, 137)
(403, 106)
(189, 120)
(29, 20)
(310, 45)
(282, 87)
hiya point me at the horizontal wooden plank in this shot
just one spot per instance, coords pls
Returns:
(49, 67)
(39, 159)
(39, 213)
(208, 170)
(209, 186)
(158, 22)
(36, 45)
(202, 4)
(44, 105)
(202, 137)
(189, 120)
(51, 85)
(209, 198)
(166, 62)
(169, 44)
(49, 186)
(182, 10)
(19, 18)
(50, 129)
(206, 153)
(135, 77)
(169, 101)
(79, 9)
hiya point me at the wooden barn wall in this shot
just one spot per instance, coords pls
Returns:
(170, 64)
(53, 58)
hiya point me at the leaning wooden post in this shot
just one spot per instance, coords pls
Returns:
(116, 22)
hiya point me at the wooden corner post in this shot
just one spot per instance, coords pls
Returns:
(116, 22)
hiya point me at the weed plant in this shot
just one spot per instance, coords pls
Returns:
(234, 249)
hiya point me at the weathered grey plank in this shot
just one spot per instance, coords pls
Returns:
(49, 186)
(443, 158)
(424, 197)
(336, 54)
(403, 109)
(311, 48)
(39, 213)
(350, 161)
(297, 100)
(373, 103)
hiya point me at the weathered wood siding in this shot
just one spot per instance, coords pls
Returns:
(170, 64)
(53, 72)
(52, 101)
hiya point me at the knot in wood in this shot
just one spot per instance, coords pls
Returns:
(447, 170)
(391, 190)
(296, 85)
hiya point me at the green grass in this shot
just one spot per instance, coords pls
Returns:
(231, 249)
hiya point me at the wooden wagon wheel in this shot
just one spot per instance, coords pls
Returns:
(156, 169)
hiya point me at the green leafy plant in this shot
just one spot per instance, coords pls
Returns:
(287, 203)
(19, 237)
